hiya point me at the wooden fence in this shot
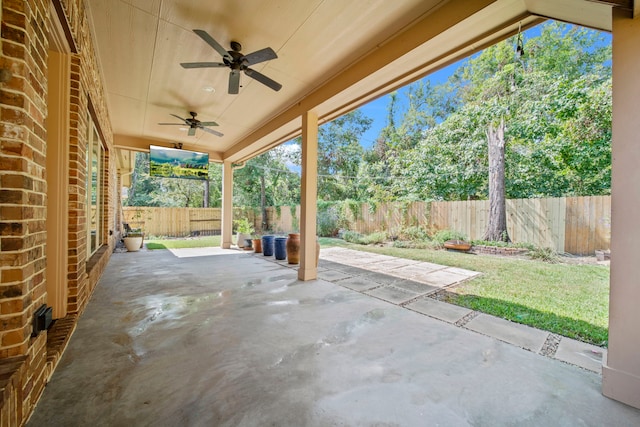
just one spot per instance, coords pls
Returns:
(576, 225)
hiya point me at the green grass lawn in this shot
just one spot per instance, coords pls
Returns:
(191, 242)
(568, 299)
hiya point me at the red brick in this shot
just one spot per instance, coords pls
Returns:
(13, 337)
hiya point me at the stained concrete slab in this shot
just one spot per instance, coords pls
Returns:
(235, 340)
(440, 310)
(513, 333)
(580, 354)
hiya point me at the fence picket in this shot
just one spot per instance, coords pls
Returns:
(577, 225)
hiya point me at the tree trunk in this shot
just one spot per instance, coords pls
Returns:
(263, 204)
(497, 226)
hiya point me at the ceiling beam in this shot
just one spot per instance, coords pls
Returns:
(133, 143)
(427, 27)
(623, 4)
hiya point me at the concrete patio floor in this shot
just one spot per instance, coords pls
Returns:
(221, 337)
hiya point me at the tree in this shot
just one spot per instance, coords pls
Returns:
(340, 155)
(497, 225)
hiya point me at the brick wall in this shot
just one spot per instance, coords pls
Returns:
(25, 361)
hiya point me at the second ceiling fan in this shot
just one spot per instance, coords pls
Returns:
(237, 61)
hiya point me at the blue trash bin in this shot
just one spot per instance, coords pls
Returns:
(280, 247)
(267, 245)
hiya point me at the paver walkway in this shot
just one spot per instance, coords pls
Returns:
(412, 284)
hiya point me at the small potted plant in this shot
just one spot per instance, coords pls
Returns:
(244, 229)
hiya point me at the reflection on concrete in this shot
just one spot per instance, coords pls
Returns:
(236, 340)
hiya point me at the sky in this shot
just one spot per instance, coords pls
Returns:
(377, 109)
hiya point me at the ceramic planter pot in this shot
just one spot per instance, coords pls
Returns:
(133, 244)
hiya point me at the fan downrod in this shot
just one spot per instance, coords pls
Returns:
(193, 114)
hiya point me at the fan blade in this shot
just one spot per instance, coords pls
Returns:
(211, 131)
(203, 64)
(234, 82)
(263, 79)
(192, 131)
(259, 56)
(208, 124)
(214, 44)
(174, 124)
(178, 117)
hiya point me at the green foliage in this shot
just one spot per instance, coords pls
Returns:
(243, 226)
(556, 103)
(413, 244)
(442, 236)
(502, 244)
(267, 180)
(334, 216)
(361, 239)
(413, 233)
(544, 254)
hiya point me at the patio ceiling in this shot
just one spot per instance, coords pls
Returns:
(333, 56)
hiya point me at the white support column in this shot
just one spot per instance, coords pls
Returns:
(227, 205)
(308, 195)
(621, 369)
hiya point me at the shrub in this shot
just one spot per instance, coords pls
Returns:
(327, 222)
(413, 233)
(352, 236)
(443, 235)
(360, 239)
(373, 238)
(412, 244)
(544, 254)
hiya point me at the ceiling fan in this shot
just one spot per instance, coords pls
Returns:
(194, 124)
(237, 61)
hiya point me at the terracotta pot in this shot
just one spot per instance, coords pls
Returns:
(293, 248)
(257, 245)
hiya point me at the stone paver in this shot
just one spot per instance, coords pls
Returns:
(392, 294)
(381, 278)
(417, 287)
(400, 281)
(440, 278)
(332, 275)
(413, 270)
(358, 283)
(353, 271)
(391, 265)
(513, 333)
(581, 354)
(438, 309)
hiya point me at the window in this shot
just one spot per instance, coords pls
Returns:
(95, 205)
